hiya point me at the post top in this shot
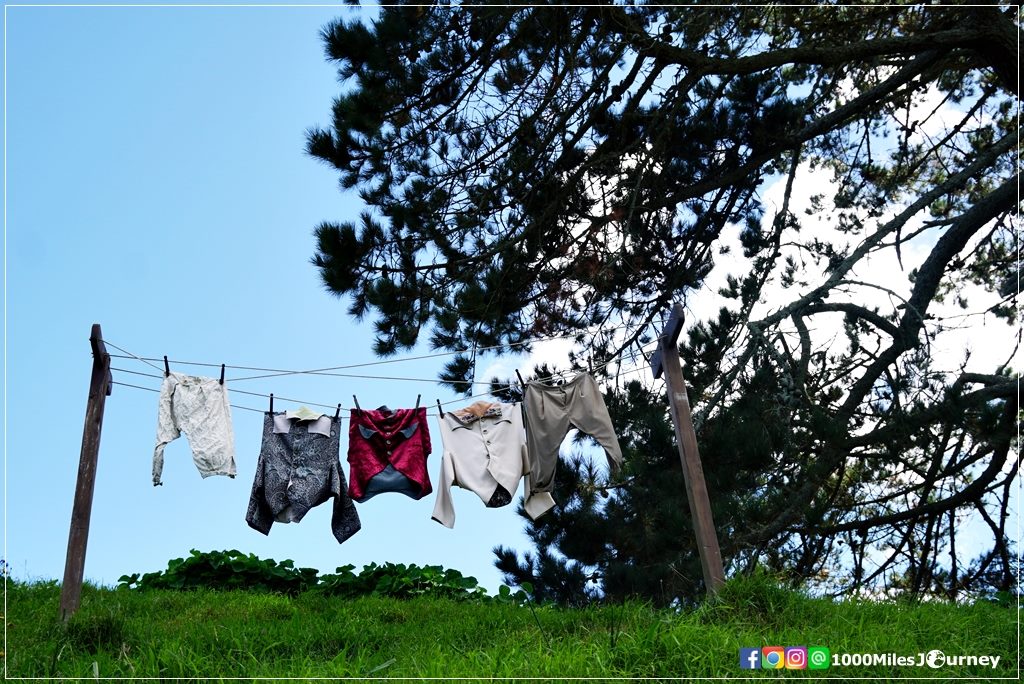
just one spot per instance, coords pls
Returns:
(668, 336)
(100, 354)
(675, 324)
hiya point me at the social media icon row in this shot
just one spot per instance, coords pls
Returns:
(788, 658)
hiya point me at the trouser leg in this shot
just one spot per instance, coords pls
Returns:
(547, 423)
(588, 412)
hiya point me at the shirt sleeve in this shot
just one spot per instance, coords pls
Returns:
(444, 510)
(425, 435)
(344, 518)
(166, 427)
(258, 516)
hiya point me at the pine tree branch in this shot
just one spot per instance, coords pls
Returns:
(999, 201)
(1000, 457)
(831, 55)
(828, 122)
(982, 161)
(1005, 389)
(854, 310)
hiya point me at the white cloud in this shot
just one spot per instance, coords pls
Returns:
(988, 340)
(555, 353)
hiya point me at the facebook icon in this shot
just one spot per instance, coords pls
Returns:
(750, 658)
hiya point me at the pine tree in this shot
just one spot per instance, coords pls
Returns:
(574, 170)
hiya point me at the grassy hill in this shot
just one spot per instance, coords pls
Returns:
(206, 634)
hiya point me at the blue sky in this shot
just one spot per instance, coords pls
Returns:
(157, 184)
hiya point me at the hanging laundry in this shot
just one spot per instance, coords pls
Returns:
(387, 452)
(299, 469)
(484, 452)
(550, 412)
(199, 407)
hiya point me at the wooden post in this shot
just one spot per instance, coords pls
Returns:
(667, 358)
(99, 388)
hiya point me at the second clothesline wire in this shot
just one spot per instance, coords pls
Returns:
(145, 360)
(635, 369)
(274, 372)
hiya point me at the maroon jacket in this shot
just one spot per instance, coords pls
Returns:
(387, 452)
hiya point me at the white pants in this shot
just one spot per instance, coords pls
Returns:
(198, 407)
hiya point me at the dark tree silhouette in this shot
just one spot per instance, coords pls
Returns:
(574, 170)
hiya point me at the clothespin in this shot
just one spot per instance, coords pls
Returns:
(271, 403)
(356, 401)
(440, 411)
(222, 373)
(418, 396)
(167, 367)
(338, 412)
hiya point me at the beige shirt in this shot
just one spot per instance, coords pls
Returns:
(484, 452)
(200, 408)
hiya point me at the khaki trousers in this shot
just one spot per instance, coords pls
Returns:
(550, 412)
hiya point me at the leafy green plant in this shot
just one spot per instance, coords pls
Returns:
(401, 581)
(521, 595)
(221, 570)
(225, 570)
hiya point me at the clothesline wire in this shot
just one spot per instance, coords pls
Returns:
(342, 375)
(358, 376)
(150, 389)
(371, 377)
(130, 355)
(273, 372)
(308, 403)
(485, 394)
(333, 375)
(235, 391)
(374, 377)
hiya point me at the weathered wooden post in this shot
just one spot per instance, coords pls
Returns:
(667, 358)
(99, 388)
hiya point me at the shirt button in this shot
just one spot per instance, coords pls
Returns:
(387, 441)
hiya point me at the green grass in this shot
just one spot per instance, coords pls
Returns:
(241, 634)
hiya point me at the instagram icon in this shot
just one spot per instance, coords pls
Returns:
(796, 658)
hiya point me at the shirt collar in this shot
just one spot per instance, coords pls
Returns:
(497, 412)
(283, 424)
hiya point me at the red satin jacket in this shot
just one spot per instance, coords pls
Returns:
(387, 452)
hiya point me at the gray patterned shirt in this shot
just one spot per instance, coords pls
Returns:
(299, 469)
